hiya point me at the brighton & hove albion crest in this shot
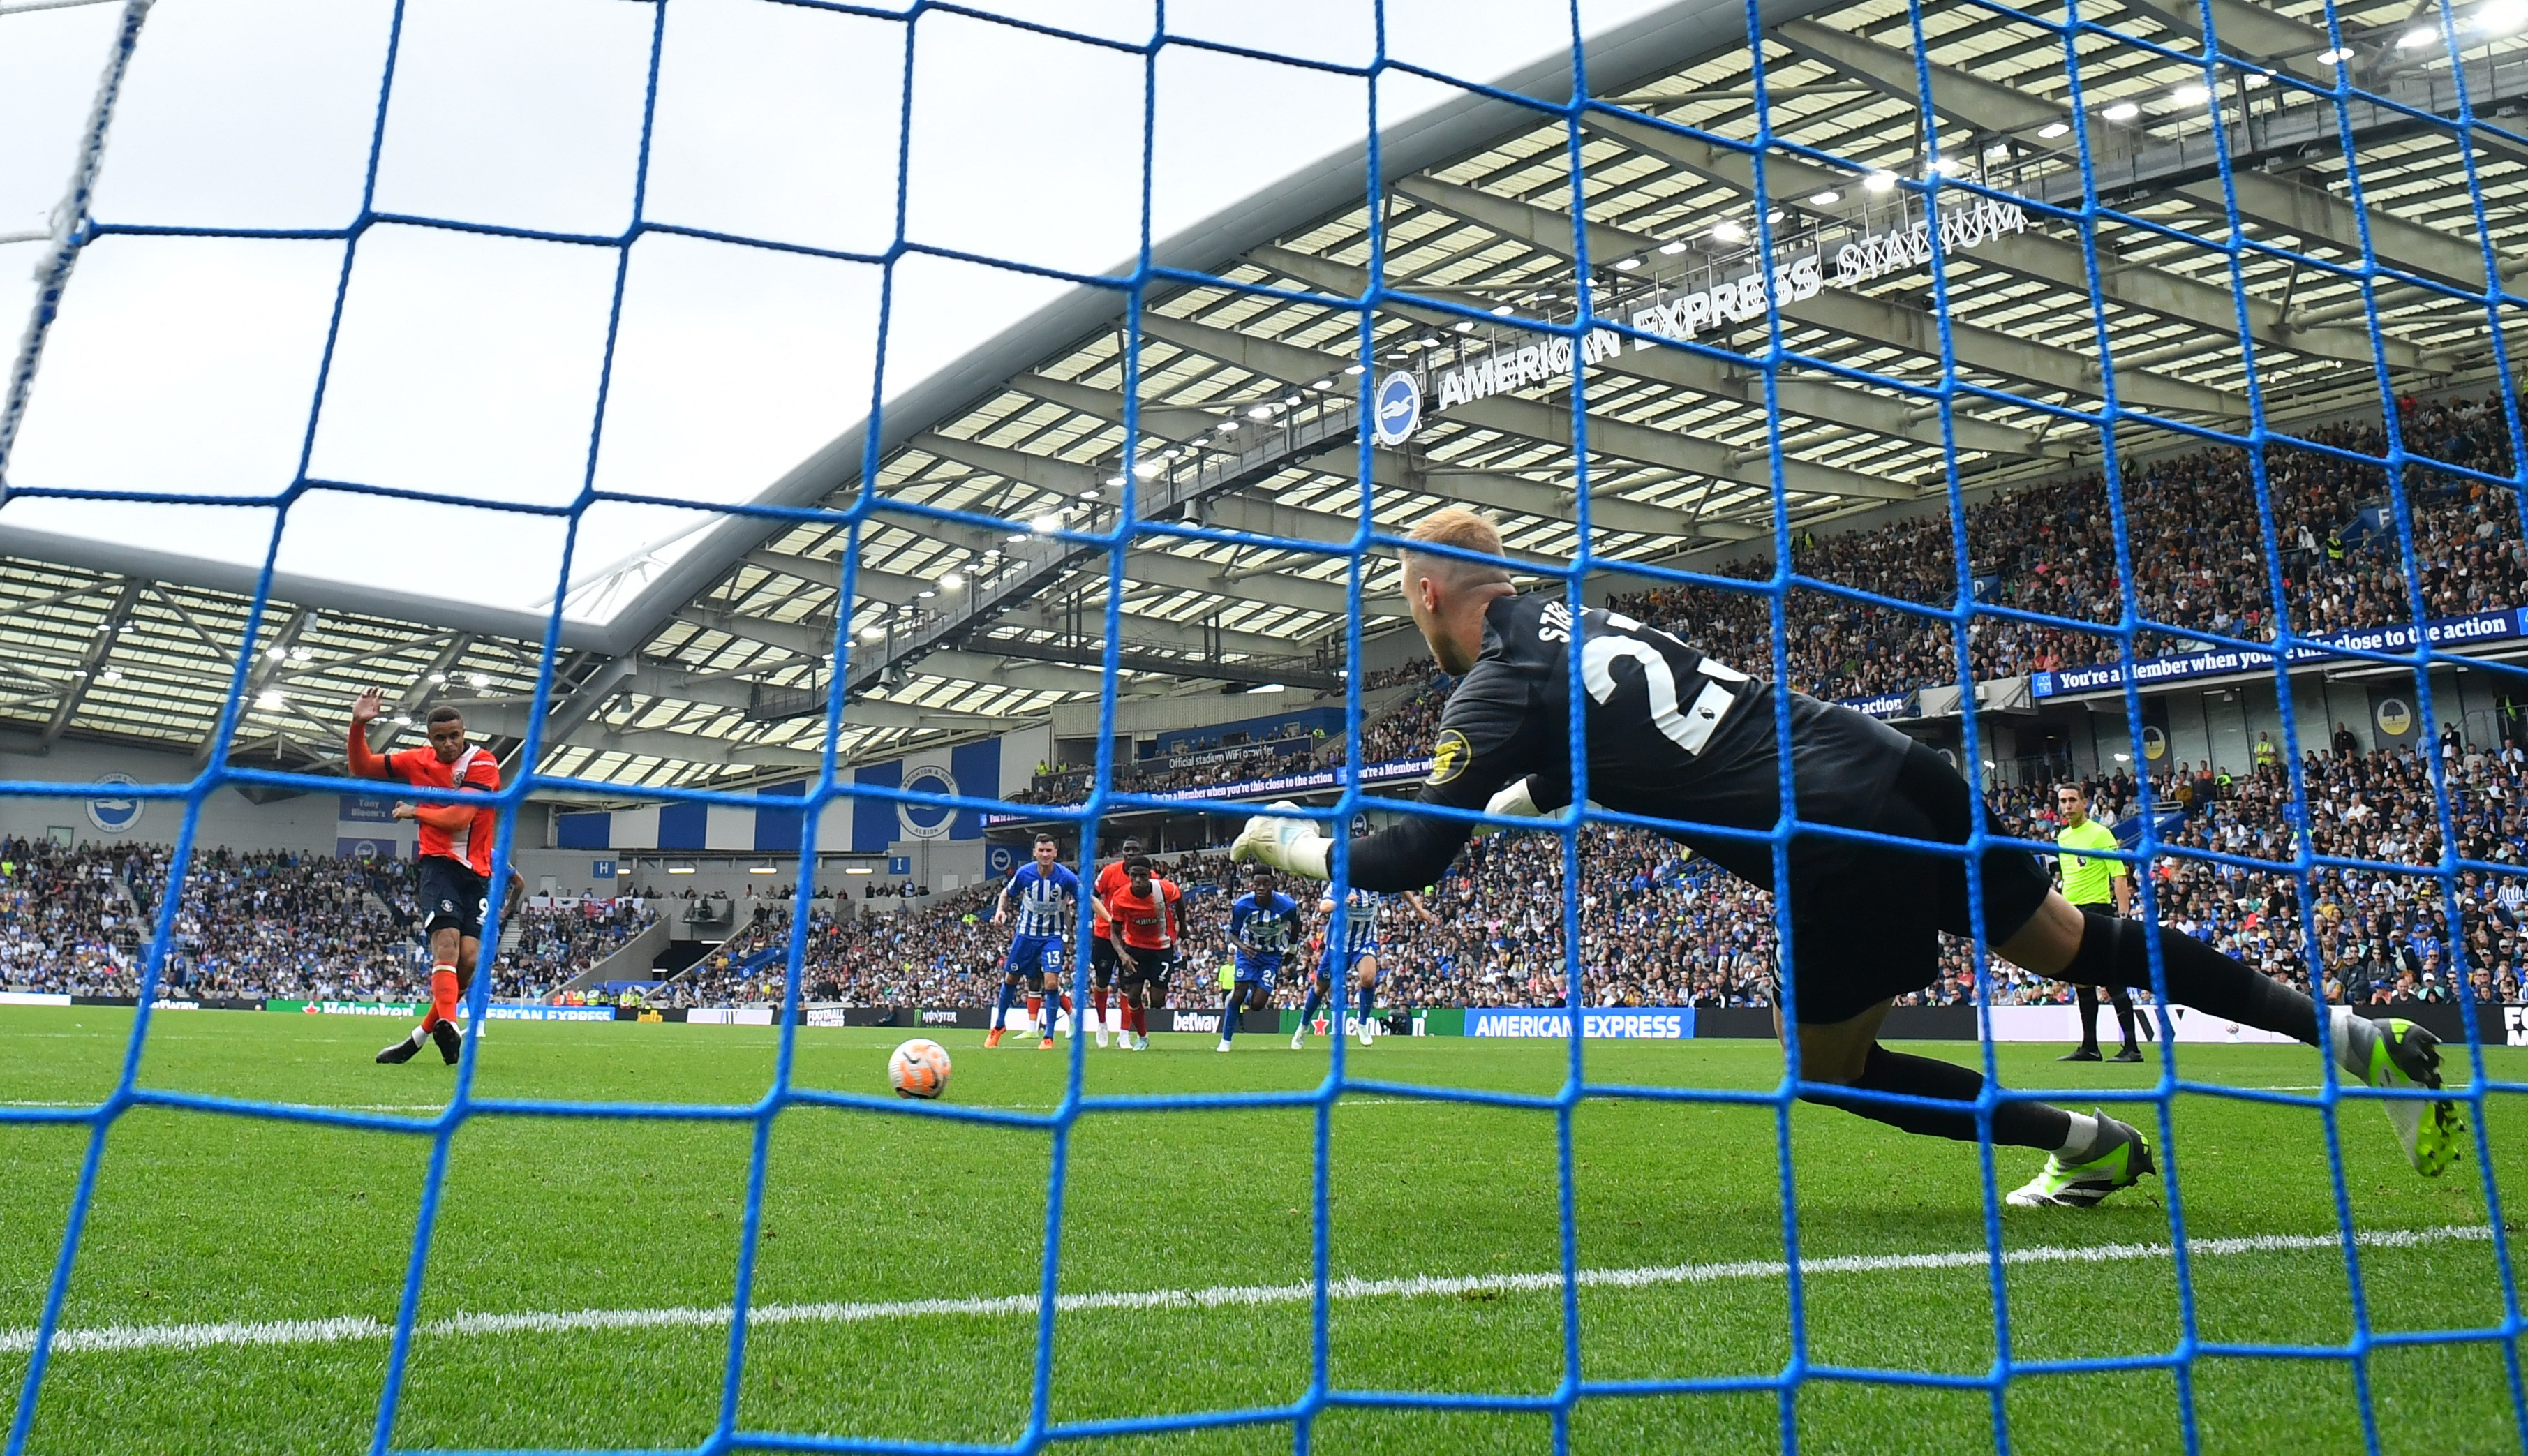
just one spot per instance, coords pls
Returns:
(114, 812)
(927, 820)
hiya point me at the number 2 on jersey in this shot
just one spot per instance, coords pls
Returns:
(1689, 730)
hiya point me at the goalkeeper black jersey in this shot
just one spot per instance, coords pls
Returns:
(1672, 735)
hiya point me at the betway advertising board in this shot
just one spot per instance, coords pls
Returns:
(2482, 625)
(1651, 1023)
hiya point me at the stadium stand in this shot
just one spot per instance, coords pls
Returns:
(1660, 928)
(278, 925)
(258, 926)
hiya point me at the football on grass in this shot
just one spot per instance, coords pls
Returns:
(918, 1068)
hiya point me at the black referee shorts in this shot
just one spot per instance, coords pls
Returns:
(1869, 929)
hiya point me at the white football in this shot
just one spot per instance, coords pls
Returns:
(918, 1068)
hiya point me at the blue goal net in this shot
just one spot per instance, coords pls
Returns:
(1865, 348)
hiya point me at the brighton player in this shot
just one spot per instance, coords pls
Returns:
(454, 859)
(1147, 926)
(1047, 893)
(1102, 961)
(1263, 925)
(1676, 736)
(2088, 874)
(1357, 957)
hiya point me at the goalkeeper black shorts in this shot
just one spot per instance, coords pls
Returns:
(1868, 929)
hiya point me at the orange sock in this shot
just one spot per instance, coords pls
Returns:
(443, 997)
(1035, 1012)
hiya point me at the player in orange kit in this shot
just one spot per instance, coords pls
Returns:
(454, 859)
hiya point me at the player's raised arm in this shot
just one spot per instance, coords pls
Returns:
(364, 762)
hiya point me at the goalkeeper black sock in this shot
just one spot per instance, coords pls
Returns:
(2114, 952)
(2016, 1124)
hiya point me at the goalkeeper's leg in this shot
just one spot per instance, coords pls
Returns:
(2088, 1157)
(2105, 950)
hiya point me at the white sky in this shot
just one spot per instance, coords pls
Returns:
(470, 364)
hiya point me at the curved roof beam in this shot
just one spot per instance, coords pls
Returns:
(2315, 215)
(2032, 255)
(1868, 319)
(1533, 419)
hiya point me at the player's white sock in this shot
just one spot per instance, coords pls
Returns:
(2349, 1039)
(2082, 1137)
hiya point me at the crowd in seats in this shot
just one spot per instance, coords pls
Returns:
(2197, 552)
(556, 944)
(1660, 927)
(2383, 935)
(946, 953)
(1657, 928)
(1404, 728)
(264, 924)
(66, 922)
(1290, 752)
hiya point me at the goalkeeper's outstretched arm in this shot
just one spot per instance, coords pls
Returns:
(1494, 733)
(1493, 754)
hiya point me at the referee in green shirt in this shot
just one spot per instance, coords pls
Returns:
(2093, 882)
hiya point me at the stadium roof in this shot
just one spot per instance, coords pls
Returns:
(966, 624)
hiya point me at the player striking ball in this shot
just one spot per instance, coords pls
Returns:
(1147, 926)
(454, 858)
(1356, 956)
(1674, 735)
(2087, 876)
(1263, 925)
(1043, 888)
(1102, 961)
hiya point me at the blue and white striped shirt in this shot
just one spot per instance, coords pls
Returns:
(1039, 896)
(1361, 927)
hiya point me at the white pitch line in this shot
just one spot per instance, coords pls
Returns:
(316, 1107)
(120, 1338)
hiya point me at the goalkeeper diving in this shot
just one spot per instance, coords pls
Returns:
(1674, 735)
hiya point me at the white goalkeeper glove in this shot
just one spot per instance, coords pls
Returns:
(1514, 802)
(1293, 845)
(1518, 802)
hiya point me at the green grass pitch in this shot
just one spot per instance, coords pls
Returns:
(205, 1219)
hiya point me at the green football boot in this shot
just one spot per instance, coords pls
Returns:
(2397, 1053)
(2117, 1160)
